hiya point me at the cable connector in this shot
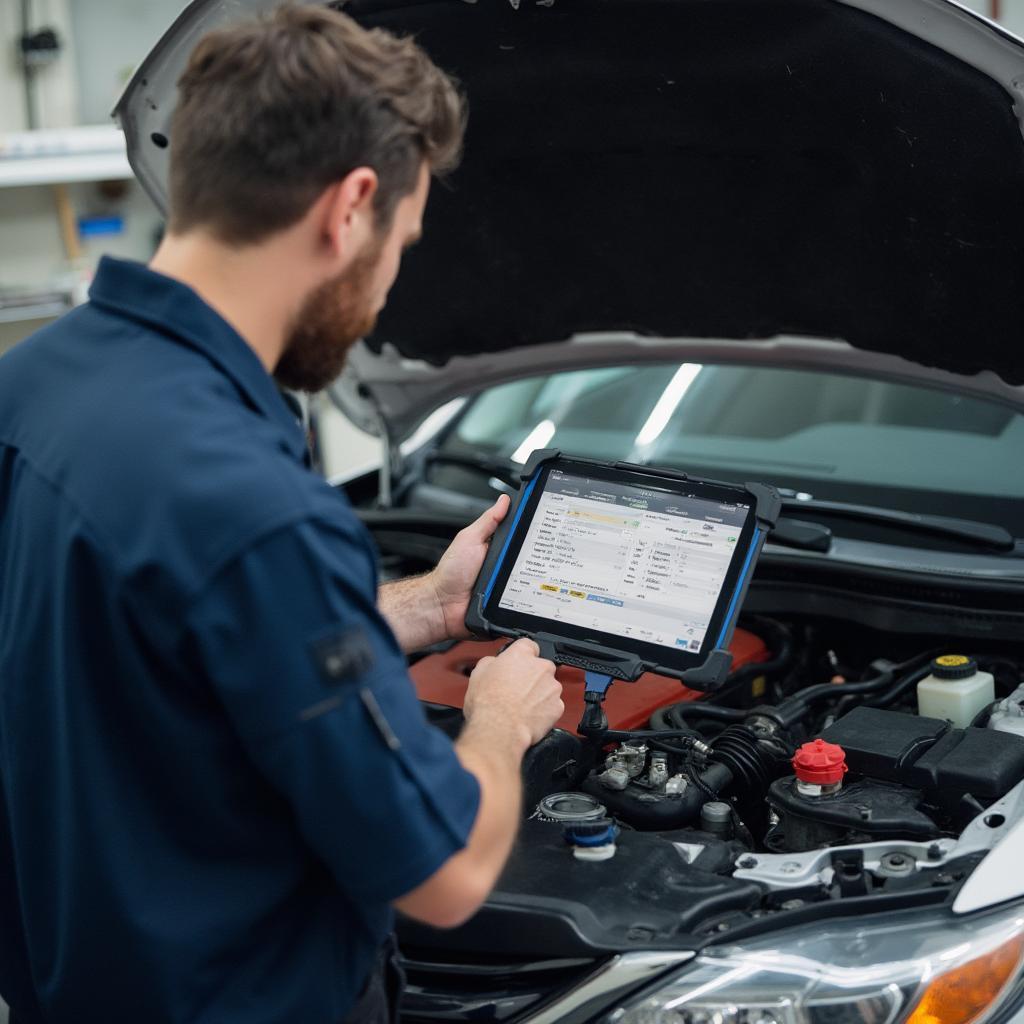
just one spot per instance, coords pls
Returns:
(594, 723)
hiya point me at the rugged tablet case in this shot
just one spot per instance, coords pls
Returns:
(708, 676)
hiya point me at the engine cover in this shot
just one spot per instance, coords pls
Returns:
(928, 754)
(910, 778)
(441, 679)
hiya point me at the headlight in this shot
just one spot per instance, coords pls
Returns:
(919, 969)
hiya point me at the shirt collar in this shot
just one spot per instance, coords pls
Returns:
(135, 291)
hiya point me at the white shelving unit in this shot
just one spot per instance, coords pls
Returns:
(64, 156)
(33, 311)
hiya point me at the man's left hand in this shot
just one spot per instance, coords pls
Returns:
(460, 565)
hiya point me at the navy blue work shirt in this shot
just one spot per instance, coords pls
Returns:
(214, 772)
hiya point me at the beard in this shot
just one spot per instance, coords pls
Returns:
(333, 317)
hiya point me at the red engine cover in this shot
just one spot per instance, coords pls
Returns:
(441, 679)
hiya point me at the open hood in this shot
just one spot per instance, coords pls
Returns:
(729, 169)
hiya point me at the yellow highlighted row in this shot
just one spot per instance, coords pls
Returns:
(597, 517)
(551, 588)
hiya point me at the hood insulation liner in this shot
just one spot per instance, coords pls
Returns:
(715, 168)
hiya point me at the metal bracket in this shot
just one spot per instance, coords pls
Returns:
(391, 462)
(888, 858)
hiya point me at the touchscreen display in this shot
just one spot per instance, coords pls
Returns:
(625, 560)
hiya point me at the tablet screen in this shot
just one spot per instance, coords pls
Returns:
(625, 560)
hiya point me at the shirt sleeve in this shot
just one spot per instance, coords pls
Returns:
(313, 682)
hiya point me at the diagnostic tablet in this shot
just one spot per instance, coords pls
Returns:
(622, 569)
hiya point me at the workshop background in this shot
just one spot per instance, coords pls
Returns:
(67, 195)
(66, 191)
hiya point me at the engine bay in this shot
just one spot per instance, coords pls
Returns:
(839, 763)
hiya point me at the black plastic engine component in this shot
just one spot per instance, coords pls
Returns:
(982, 762)
(648, 811)
(464, 987)
(907, 774)
(860, 810)
(753, 761)
(556, 763)
(741, 764)
(881, 743)
(547, 903)
(928, 754)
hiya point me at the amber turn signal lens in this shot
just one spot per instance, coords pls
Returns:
(963, 994)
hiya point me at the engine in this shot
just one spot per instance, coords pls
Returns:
(831, 764)
(813, 775)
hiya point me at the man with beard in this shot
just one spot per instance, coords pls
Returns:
(215, 779)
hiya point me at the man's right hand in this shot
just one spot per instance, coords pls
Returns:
(516, 690)
(512, 701)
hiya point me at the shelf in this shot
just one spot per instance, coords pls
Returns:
(88, 153)
(34, 311)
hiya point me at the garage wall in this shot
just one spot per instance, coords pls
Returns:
(56, 83)
(101, 43)
(111, 38)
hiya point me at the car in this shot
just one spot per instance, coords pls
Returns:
(768, 240)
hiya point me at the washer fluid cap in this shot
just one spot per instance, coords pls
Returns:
(954, 666)
(821, 763)
(590, 833)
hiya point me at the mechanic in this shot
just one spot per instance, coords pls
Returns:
(216, 782)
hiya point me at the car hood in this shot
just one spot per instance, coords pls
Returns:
(850, 171)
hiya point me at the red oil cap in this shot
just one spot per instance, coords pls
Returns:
(820, 763)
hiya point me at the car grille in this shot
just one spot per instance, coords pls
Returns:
(483, 990)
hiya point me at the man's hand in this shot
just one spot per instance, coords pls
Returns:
(512, 701)
(515, 692)
(459, 567)
(425, 610)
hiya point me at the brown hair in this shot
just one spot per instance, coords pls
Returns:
(272, 111)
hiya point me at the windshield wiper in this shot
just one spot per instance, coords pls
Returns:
(504, 472)
(983, 535)
(791, 531)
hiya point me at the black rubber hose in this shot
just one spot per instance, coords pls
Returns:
(880, 695)
(980, 720)
(898, 689)
(778, 639)
(793, 709)
(889, 696)
(668, 746)
(738, 750)
(671, 741)
(674, 716)
(996, 664)
(633, 735)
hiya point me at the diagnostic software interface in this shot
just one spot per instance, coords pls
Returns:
(625, 560)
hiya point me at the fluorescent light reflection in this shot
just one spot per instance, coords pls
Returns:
(667, 404)
(536, 438)
(432, 424)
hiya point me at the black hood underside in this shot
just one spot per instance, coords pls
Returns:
(715, 168)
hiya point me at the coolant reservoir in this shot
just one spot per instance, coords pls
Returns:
(955, 690)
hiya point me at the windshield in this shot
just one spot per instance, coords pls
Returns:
(836, 437)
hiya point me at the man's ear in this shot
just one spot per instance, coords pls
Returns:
(348, 219)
